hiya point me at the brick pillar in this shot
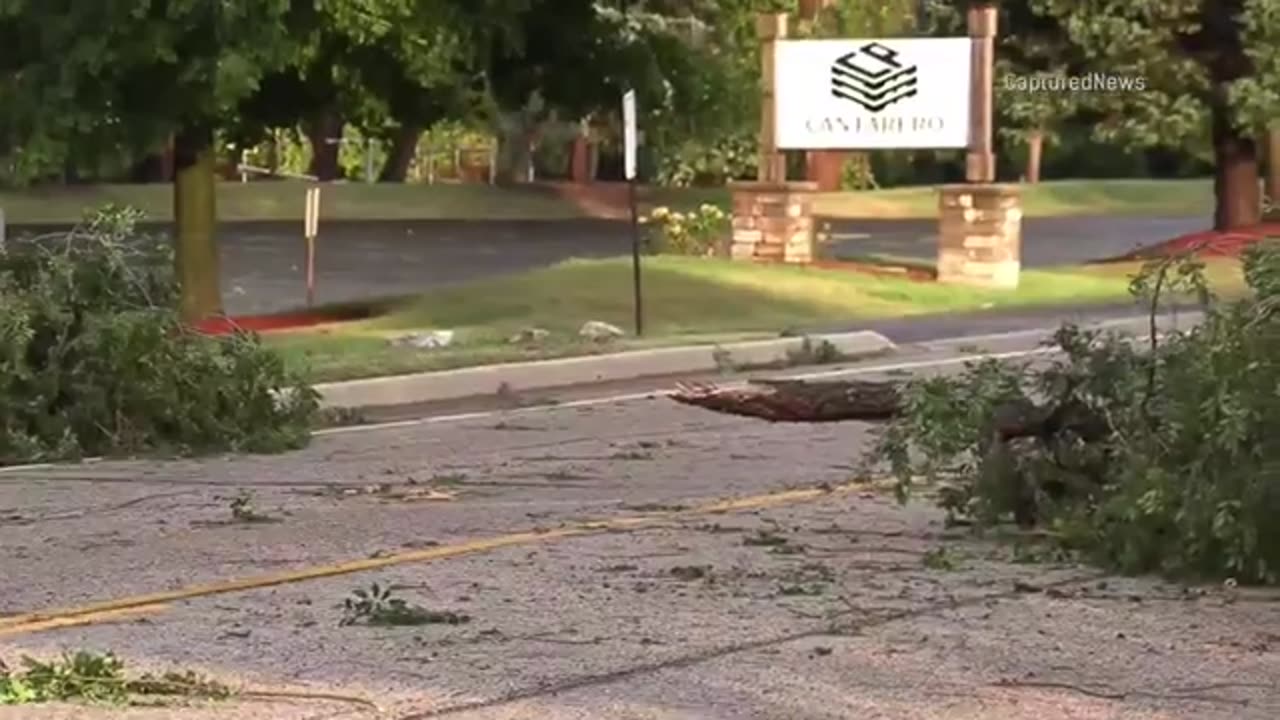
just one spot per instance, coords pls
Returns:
(580, 160)
(826, 168)
(980, 235)
(773, 221)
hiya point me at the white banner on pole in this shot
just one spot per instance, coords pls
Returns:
(629, 132)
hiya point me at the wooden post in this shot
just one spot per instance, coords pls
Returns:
(980, 163)
(771, 28)
(825, 167)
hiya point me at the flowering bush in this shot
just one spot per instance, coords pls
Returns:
(701, 232)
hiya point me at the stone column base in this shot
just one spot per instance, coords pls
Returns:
(980, 235)
(773, 222)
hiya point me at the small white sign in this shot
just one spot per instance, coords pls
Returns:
(311, 218)
(872, 94)
(629, 132)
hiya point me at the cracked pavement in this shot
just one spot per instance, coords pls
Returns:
(844, 606)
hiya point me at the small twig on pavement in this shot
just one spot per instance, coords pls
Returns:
(299, 695)
(76, 514)
(638, 556)
(1116, 694)
(550, 637)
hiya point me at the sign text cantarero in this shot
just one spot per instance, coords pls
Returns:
(869, 94)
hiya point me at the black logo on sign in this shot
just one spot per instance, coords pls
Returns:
(873, 77)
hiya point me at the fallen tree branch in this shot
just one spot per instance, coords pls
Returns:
(798, 401)
(875, 401)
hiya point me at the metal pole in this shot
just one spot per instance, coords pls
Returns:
(635, 256)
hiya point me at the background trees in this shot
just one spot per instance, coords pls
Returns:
(84, 82)
(89, 90)
(1210, 71)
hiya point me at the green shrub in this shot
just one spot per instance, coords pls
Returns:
(1183, 474)
(697, 164)
(94, 359)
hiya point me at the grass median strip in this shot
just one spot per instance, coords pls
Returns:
(112, 609)
(1052, 198)
(688, 301)
(283, 200)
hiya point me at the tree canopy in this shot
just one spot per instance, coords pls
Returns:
(1209, 69)
(84, 80)
(92, 85)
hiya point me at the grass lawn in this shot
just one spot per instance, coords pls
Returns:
(1047, 199)
(283, 200)
(688, 300)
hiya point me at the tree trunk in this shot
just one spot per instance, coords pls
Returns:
(404, 148)
(273, 153)
(150, 169)
(324, 133)
(1035, 151)
(1238, 201)
(195, 220)
(1271, 185)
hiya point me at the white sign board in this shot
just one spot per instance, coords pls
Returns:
(629, 132)
(311, 216)
(869, 94)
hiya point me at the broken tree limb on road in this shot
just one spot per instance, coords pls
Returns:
(798, 401)
(1001, 429)
(878, 401)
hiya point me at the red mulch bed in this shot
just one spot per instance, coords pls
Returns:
(1209, 243)
(258, 323)
(225, 325)
(607, 200)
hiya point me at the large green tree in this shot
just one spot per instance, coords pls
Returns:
(1032, 46)
(85, 77)
(1211, 68)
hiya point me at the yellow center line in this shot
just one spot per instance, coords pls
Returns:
(152, 602)
(53, 623)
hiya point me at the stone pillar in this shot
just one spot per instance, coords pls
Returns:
(773, 221)
(980, 235)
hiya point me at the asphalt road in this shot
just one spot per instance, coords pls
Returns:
(692, 616)
(264, 263)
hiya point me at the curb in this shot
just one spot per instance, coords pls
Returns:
(546, 374)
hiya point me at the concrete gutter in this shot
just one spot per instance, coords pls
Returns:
(545, 374)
